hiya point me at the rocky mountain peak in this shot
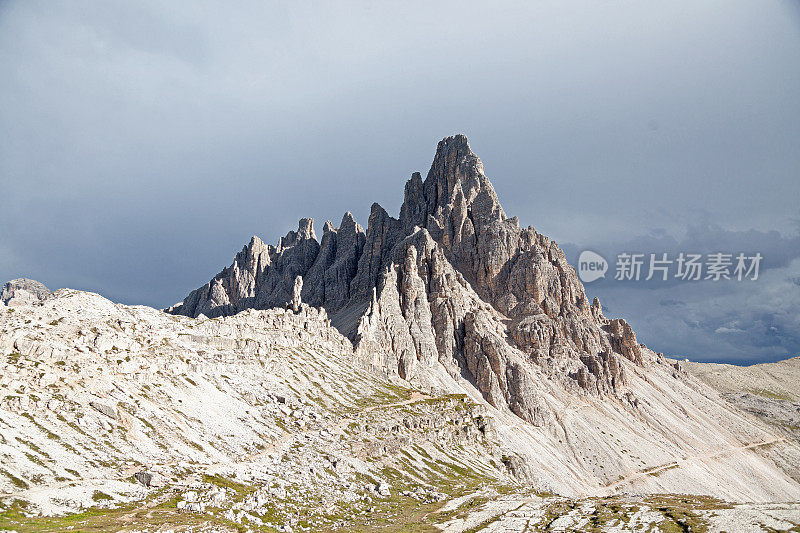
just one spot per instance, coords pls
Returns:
(349, 224)
(455, 181)
(451, 304)
(453, 287)
(305, 231)
(256, 243)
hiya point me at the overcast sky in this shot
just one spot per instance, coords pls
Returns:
(143, 143)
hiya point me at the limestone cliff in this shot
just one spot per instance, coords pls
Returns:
(453, 283)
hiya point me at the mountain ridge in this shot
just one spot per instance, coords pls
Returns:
(453, 296)
(464, 234)
(441, 355)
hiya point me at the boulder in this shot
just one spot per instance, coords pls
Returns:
(104, 409)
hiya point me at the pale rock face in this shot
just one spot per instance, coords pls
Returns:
(453, 285)
(298, 289)
(23, 291)
(126, 400)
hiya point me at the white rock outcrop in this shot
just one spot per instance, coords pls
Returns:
(22, 291)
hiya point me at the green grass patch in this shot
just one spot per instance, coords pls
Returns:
(770, 394)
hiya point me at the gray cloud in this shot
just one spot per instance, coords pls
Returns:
(727, 320)
(776, 249)
(145, 143)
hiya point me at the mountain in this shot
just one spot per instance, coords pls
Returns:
(778, 380)
(264, 419)
(443, 370)
(454, 286)
(453, 296)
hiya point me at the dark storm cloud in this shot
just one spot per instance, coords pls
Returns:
(742, 323)
(777, 251)
(739, 321)
(144, 143)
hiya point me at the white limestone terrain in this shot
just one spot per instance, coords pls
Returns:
(441, 371)
(265, 414)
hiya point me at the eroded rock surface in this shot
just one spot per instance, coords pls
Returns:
(264, 420)
(23, 291)
(453, 285)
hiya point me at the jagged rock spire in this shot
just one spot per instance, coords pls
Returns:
(452, 286)
(455, 180)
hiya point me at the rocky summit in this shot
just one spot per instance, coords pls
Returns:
(453, 288)
(443, 370)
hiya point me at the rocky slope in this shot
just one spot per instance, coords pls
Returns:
(779, 380)
(264, 418)
(119, 418)
(770, 391)
(22, 292)
(454, 296)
